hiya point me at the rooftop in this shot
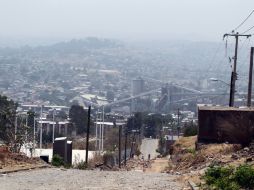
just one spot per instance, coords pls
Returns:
(224, 108)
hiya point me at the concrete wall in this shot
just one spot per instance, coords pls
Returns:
(224, 124)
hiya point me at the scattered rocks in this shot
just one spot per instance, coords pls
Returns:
(249, 159)
(53, 179)
(235, 156)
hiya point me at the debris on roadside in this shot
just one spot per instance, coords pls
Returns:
(14, 161)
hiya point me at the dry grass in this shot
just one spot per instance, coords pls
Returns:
(221, 149)
(97, 159)
(186, 156)
(2, 158)
(80, 144)
(159, 165)
(186, 142)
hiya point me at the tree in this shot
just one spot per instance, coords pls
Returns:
(62, 115)
(153, 124)
(13, 139)
(135, 122)
(7, 118)
(79, 118)
(30, 119)
(190, 129)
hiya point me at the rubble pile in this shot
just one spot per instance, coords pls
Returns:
(246, 153)
(188, 156)
(190, 159)
(138, 164)
(10, 160)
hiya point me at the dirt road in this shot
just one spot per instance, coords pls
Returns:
(57, 179)
(149, 146)
(159, 165)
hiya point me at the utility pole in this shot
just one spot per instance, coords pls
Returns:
(119, 146)
(234, 74)
(250, 78)
(53, 133)
(96, 132)
(41, 130)
(102, 129)
(132, 144)
(34, 134)
(16, 126)
(26, 127)
(125, 146)
(87, 133)
(178, 121)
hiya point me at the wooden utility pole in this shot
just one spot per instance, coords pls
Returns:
(233, 73)
(125, 146)
(119, 146)
(250, 77)
(132, 145)
(87, 133)
(178, 122)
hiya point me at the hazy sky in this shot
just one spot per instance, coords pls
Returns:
(124, 19)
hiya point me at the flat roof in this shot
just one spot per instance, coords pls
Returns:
(224, 108)
(109, 123)
(60, 138)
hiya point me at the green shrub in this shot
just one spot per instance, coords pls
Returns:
(191, 150)
(218, 176)
(81, 165)
(138, 153)
(161, 146)
(229, 178)
(57, 160)
(190, 130)
(67, 166)
(108, 159)
(244, 175)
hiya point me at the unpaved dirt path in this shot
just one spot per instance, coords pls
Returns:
(149, 146)
(159, 165)
(57, 179)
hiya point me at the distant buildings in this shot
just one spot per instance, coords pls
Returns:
(138, 86)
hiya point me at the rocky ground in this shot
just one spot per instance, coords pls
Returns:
(10, 162)
(62, 179)
(190, 160)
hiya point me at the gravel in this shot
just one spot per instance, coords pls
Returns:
(61, 179)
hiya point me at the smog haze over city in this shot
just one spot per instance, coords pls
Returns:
(52, 49)
(28, 21)
(117, 84)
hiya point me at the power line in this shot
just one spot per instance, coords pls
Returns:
(213, 58)
(223, 67)
(233, 73)
(243, 44)
(243, 21)
(248, 30)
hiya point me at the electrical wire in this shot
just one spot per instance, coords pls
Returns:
(248, 30)
(223, 67)
(243, 68)
(243, 21)
(213, 58)
(243, 44)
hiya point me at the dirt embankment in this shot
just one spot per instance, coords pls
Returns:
(187, 155)
(15, 161)
(191, 159)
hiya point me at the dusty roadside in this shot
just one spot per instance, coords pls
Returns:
(13, 162)
(53, 179)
